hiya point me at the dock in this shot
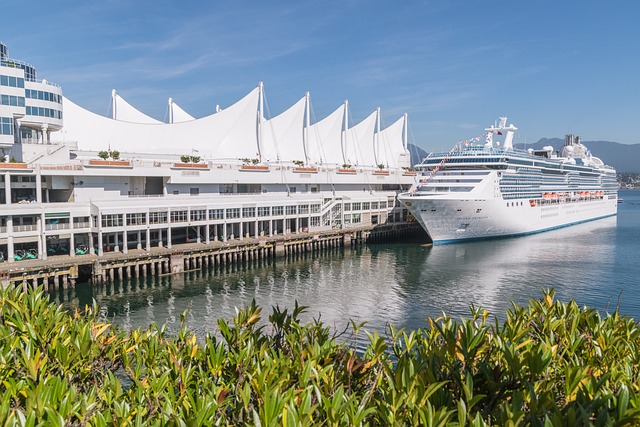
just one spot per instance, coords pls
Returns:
(64, 271)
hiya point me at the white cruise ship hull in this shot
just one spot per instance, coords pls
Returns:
(448, 220)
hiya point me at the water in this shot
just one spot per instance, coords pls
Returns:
(594, 263)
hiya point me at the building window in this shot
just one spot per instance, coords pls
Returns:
(315, 208)
(314, 221)
(303, 210)
(216, 214)
(194, 191)
(199, 215)
(248, 212)
(263, 211)
(366, 206)
(157, 217)
(347, 218)
(291, 210)
(374, 205)
(278, 210)
(356, 218)
(112, 220)
(356, 206)
(383, 205)
(178, 216)
(233, 213)
(347, 207)
(136, 219)
(6, 126)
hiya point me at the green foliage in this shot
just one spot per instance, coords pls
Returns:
(115, 154)
(547, 364)
(104, 155)
(185, 159)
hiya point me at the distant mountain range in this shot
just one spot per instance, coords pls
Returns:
(623, 157)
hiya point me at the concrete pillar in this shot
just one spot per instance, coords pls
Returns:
(41, 254)
(100, 250)
(148, 239)
(72, 241)
(10, 247)
(38, 186)
(169, 237)
(125, 243)
(92, 250)
(7, 187)
(207, 230)
(139, 244)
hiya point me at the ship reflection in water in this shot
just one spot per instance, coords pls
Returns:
(393, 284)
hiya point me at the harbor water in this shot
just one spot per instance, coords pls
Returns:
(594, 263)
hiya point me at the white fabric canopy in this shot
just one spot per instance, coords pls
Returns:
(282, 135)
(177, 114)
(325, 139)
(359, 142)
(125, 112)
(391, 149)
(229, 134)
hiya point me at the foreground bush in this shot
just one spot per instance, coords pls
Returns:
(550, 364)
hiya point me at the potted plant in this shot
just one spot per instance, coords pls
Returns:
(301, 168)
(409, 171)
(381, 170)
(253, 165)
(109, 158)
(190, 162)
(346, 168)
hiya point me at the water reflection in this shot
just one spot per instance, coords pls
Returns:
(398, 284)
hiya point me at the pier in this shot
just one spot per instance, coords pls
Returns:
(62, 272)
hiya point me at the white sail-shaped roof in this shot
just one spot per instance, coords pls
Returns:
(125, 112)
(229, 134)
(282, 135)
(177, 114)
(391, 149)
(359, 142)
(325, 139)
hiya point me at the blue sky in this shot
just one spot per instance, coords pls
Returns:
(552, 67)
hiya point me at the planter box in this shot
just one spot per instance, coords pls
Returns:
(110, 163)
(409, 173)
(381, 172)
(190, 166)
(254, 168)
(7, 165)
(347, 171)
(305, 170)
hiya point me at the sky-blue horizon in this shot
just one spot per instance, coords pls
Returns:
(551, 67)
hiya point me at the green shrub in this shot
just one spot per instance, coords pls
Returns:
(547, 364)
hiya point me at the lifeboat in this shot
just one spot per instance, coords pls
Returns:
(532, 203)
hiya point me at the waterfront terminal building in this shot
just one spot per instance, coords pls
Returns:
(74, 182)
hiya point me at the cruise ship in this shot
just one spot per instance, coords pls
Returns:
(78, 183)
(486, 188)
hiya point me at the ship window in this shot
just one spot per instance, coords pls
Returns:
(433, 210)
(478, 210)
(458, 210)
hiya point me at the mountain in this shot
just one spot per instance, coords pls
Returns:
(623, 157)
(416, 153)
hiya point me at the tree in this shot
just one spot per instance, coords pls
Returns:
(115, 154)
(104, 155)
